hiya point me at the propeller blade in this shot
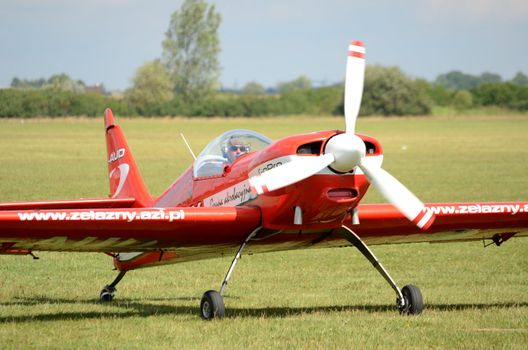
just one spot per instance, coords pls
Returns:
(297, 170)
(355, 76)
(398, 195)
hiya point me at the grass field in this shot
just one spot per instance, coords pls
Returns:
(329, 298)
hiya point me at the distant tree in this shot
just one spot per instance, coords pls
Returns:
(499, 94)
(489, 78)
(520, 79)
(506, 95)
(16, 83)
(438, 94)
(326, 100)
(300, 83)
(191, 48)
(28, 84)
(151, 85)
(462, 99)
(253, 88)
(63, 82)
(388, 91)
(456, 80)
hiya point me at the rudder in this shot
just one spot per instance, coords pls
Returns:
(125, 179)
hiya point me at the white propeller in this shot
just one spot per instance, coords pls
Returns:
(398, 195)
(355, 76)
(290, 173)
(345, 151)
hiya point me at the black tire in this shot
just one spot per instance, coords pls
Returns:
(212, 305)
(413, 300)
(107, 294)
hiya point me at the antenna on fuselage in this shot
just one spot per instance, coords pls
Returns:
(187, 144)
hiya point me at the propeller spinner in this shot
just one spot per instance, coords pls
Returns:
(345, 151)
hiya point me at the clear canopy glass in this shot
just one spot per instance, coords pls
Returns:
(224, 149)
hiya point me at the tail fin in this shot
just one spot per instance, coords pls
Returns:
(125, 178)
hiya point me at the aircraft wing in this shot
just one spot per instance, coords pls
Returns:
(114, 225)
(105, 228)
(70, 204)
(384, 224)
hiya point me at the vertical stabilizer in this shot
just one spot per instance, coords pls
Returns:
(125, 178)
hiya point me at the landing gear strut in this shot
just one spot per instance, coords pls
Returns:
(212, 304)
(107, 293)
(409, 300)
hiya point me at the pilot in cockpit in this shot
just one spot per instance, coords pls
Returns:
(235, 147)
(225, 149)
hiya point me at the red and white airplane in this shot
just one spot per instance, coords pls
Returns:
(302, 191)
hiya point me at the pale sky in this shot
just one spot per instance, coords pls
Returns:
(105, 41)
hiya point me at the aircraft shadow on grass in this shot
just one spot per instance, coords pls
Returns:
(136, 308)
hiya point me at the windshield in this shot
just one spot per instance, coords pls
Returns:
(225, 149)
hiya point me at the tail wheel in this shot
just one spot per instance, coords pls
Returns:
(212, 305)
(107, 294)
(413, 300)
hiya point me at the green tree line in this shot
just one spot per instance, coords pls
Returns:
(184, 81)
(388, 91)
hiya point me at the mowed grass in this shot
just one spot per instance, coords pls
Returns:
(328, 298)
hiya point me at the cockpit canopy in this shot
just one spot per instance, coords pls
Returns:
(215, 156)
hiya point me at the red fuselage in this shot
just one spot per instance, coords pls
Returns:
(325, 199)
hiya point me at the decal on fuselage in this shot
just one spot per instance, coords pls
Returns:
(116, 155)
(154, 214)
(231, 196)
(123, 174)
(270, 164)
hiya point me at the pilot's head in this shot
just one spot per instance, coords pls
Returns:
(236, 146)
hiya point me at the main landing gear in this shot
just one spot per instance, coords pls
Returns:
(212, 304)
(409, 300)
(107, 293)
